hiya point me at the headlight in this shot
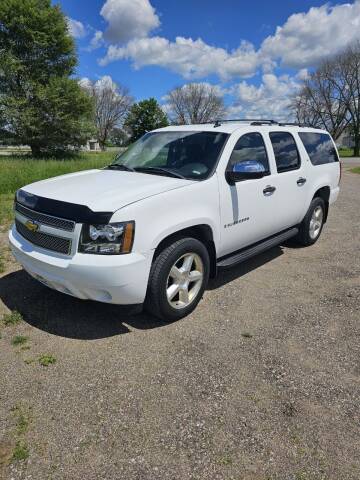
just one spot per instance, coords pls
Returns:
(111, 239)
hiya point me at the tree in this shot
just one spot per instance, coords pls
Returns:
(40, 104)
(195, 103)
(118, 137)
(112, 104)
(321, 100)
(348, 65)
(144, 117)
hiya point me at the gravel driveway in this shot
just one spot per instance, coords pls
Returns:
(261, 382)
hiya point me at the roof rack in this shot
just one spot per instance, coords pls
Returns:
(252, 121)
(256, 121)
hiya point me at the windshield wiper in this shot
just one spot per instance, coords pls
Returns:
(159, 170)
(120, 166)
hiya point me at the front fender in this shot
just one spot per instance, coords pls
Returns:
(164, 214)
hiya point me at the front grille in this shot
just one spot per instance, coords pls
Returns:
(55, 222)
(44, 240)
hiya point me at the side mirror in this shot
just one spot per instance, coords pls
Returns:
(245, 171)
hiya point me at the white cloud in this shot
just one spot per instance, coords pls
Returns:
(303, 40)
(270, 99)
(128, 19)
(190, 58)
(96, 41)
(104, 82)
(307, 38)
(76, 28)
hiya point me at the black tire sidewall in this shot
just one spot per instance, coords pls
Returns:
(316, 202)
(162, 266)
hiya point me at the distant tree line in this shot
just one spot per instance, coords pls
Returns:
(330, 97)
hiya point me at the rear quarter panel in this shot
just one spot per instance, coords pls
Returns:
(319, 176)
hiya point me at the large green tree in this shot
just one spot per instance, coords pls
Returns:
(40, 104)
(144, 117)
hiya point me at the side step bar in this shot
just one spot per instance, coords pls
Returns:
(255, 250)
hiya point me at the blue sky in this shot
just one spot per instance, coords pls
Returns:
(256, 52)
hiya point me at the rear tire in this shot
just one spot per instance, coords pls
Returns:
(178, 278)
(312, 224)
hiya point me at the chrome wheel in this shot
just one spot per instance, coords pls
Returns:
(185, 280)
(316, 222)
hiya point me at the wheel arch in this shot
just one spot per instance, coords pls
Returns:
(201, 232)
(324, 193)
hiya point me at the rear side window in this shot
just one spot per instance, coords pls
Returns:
(249, 147)
(319, 147)
(285, 150)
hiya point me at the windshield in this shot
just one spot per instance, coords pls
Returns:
(190, 155)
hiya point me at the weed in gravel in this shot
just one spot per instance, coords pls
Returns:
(21, 452)
(225, 460)
(2, 264)
(46, 360)
(23, 419)
(19, 340)
(12, 318)
(247, 335)
(29, 361)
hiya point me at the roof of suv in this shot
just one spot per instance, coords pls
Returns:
(230, 127)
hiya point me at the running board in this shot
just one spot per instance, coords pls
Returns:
(255, 250)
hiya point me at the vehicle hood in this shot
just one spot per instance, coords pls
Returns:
(104, 190)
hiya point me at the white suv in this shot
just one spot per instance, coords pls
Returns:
(180, 203)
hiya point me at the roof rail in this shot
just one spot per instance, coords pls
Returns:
(259, 121)
(255, 121)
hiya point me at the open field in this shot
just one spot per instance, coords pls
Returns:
(346, 152)
(261, 382)
(17, 171)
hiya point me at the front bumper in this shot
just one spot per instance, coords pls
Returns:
(119, 279)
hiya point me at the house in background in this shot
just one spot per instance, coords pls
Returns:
(92, 145)
(346, 139)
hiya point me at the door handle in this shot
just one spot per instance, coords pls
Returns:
(269, 190)
(301, 181)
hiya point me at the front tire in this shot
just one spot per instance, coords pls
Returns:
(178, 278)
(312, 224)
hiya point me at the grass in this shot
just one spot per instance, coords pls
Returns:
(17, 171)
(355, 170)
(21, 452)
(346, 152)
(2, 263)
(23, 420)
(46, 360)
(19, 340)
(6, 213)
(225, 460)
(12, 318)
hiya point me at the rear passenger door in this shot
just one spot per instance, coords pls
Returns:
(291, 182)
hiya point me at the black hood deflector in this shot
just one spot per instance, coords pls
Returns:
(57, 208)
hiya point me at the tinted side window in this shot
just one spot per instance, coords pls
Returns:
(319, 147)
(249, 147)
(285, 150)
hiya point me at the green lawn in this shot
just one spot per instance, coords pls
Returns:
(17, 171)
(346, 152)
(355, 170)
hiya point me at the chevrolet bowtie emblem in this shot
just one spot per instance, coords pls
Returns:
(32, 226)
